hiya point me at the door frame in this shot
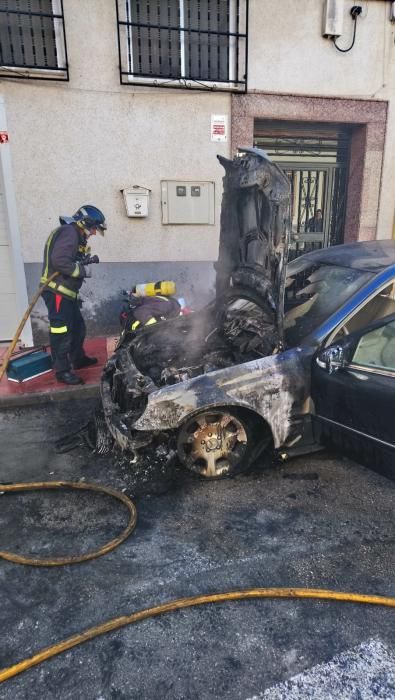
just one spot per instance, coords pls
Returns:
(14, 238)
(368, 121)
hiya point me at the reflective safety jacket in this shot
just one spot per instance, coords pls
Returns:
(61, 255)
(149, 310)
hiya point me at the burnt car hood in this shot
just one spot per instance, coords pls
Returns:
(245, 320)
(254, 233)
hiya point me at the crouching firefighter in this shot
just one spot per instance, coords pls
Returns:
(66, 252)
(145, 311)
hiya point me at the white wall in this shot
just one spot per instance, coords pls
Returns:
(74, 147)
(288, 55)
(82, 142)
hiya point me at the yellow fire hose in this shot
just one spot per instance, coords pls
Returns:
(21, 326)
(79, 486)
(179, 604)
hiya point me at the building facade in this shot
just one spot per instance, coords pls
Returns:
(100, 96)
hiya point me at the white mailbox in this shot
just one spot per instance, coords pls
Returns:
(136, 200)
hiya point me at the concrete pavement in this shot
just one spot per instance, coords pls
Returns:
(328, 524)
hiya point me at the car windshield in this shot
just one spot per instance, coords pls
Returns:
(313, 292)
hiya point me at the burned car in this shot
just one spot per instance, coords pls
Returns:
(234, 379)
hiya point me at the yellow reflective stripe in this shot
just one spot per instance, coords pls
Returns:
(63, 290)
(76, 272)
(61, 329)
(48, 243)
(150, 322)
(66, 291)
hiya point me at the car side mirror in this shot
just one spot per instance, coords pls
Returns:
(331, 359)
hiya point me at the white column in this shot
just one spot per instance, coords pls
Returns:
(13, 228)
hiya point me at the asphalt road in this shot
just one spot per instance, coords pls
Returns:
(318, 521)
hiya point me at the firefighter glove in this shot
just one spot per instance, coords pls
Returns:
(89, 259)
(93, 259)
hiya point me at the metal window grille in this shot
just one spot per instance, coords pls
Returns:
(33, 39)
(184, 43)
(316, 159)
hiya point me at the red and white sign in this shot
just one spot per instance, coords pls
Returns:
(219, 127)
(3, 136)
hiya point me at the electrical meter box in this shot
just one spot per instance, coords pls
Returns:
(187, 202)
(136, 200)
(332, 26)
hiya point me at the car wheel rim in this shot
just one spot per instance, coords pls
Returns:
(212, 444)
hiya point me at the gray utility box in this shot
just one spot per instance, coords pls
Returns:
(187, 202)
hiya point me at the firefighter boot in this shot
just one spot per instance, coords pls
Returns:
(69, 378)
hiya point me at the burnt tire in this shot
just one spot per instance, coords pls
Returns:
(241, 292)
(98, 436)
(219, 443)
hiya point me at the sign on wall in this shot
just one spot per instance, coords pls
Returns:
(219, 127)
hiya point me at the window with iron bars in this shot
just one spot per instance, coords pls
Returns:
(184, 43)
(32, 39)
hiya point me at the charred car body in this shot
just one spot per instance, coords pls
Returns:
(234, 379)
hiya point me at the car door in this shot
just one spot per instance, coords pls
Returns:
(353, 390)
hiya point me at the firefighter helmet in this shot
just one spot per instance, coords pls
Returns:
(89, 217)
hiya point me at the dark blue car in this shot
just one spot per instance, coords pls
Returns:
(284, 358)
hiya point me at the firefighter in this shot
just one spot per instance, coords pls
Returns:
(149, 310)
(66, 252)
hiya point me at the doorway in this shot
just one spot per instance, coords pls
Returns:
(316, 159)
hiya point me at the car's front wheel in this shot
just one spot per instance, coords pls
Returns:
(217, 443)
